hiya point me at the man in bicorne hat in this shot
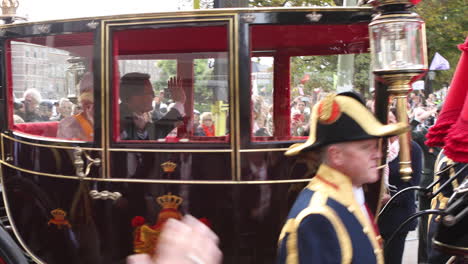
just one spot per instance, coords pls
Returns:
(329, 218)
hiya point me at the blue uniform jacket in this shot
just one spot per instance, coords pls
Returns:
(327, 225)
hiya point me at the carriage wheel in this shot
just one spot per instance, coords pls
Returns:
(10, 252)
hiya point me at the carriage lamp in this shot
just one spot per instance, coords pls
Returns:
(398, 51)
(74, 73)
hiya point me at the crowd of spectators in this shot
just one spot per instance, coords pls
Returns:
(300, 108)
(32, 108)
(144, 115)
(422, 111)
(422, 114)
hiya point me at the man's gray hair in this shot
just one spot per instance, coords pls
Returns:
(34, 93)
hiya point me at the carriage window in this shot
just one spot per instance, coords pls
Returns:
(171, 90)
(52, 86)
(262, 96)
(289, 75)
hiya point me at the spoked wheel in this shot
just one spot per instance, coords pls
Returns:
(10, 251)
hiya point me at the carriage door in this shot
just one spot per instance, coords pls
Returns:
(50, 144)
(164, 77)
(169, 145)
(52, 104)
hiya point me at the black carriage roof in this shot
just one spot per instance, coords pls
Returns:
(364, 11)
(350, 23)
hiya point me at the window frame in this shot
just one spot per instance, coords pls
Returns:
(113, 26)
(95, 55)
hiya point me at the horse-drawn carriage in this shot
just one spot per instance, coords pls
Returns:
(99, 198)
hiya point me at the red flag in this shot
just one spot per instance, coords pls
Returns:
(305, 79)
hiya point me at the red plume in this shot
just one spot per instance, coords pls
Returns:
(138, 221)
(456, 143)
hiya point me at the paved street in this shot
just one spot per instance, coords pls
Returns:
(410, 256)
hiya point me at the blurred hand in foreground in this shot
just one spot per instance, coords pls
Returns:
(188, 241)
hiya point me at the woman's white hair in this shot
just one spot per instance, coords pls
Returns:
(205, 115)
(34, 93)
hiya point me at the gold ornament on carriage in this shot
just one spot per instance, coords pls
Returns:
(59, 218)
(168, 166)
(146, 235)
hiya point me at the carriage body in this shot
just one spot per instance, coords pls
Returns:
(100, 199)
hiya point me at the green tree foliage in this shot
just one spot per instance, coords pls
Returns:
(167, 69)
(446, 27)
(321, 71)
(203, 84)
(361, 73)
(204, 94)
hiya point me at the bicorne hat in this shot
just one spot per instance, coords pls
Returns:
(341, 118)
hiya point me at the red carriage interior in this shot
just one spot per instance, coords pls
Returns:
(43, 129)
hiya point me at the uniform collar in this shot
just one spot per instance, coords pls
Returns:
(338, 186)
(333, 182)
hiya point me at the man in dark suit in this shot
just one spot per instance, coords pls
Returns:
(429, 159)
(402, 207)
(329, 217)
(136, 94)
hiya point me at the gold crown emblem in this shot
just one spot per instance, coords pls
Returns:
(9, 7)
(169, 201)
(58, 212)
(169, 166)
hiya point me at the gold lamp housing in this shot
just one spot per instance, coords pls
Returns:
(399, 57)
